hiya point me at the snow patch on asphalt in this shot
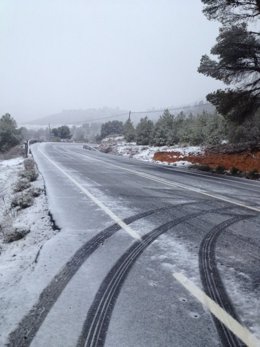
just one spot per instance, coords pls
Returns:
(247, 308)
(175, 256)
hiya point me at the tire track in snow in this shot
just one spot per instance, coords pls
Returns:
(212, 282)
(23, 335)
(97, 321)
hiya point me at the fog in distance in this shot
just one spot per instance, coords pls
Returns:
(61, 54)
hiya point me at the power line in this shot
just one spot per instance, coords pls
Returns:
(145, 112)
(170, 109)
(107, 117)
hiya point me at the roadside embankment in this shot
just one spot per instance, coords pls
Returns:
(243, 158)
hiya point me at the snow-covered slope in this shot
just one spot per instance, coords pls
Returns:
(117, 145)
(19, 258)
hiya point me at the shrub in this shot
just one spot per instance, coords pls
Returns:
(21, 185)
(234, 171)
(106, 149)
(12, 233)
(30, 172)
(15, 234)
(30, 175)
(35, 192)
(253, 174)
(29, 164)
(204, 167)
(220, 169)
(22, 200)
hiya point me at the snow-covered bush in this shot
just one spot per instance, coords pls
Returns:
(31, 175)
(21, 185)
(30, 172)
(29, 164)
(15, 234)
(35, 192)
(22, 200)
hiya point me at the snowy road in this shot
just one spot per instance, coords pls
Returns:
(138, 242)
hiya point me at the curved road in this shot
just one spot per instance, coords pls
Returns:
(147, 255)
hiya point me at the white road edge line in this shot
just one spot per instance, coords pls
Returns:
(240, 331)
(100, 204)
(178, 185)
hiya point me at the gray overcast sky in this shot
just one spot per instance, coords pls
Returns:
(71, 54)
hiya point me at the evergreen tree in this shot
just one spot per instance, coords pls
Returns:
(62, 132)
(114, 127)
(215, 130)
(231, 11)
(238, 63)
(249, 131)
(207, 129)
(129, 131)
(202, 129)
(164, 130)
(197, 136)
(144, 131)
(180, 125)
(9, 134)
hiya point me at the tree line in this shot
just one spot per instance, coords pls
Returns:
(202, 129)
(11, 135)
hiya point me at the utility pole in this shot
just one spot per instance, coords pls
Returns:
(49, 132)
(26, 146)
(129, 117)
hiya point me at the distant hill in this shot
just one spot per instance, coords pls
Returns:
(78, 117)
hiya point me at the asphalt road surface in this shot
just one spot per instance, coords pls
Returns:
(147, 255)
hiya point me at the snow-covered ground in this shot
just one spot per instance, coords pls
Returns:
(146, 153)
(8, 175)
(19, 256)
(23, 273)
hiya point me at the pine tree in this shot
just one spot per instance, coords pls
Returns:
(62, 132)
(165, 131)
(9, 134)
(114, 127)
(231, 11)
(238, 63)
(144, 131)
(129, 131)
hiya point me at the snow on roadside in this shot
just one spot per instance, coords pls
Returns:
(8, 175)
(21, 255)
(146, 153)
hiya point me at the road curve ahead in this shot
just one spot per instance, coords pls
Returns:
(147, 255)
